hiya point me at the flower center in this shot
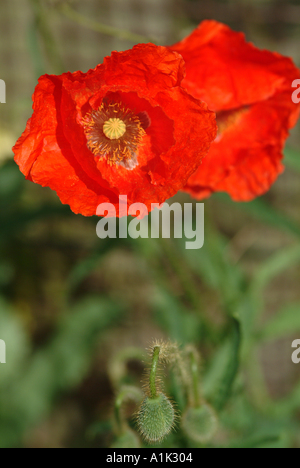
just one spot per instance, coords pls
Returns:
(115, 133)
(114, 128)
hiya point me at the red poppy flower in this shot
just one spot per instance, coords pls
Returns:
(125, 128)
(250, 91)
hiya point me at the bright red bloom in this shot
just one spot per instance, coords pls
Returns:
(250, 90)
(125, 128)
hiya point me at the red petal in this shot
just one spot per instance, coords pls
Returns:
(229, 73)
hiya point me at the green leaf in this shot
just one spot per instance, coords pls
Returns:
(290, 404)
(262, 210)
(271, 441)
(216, 269)
(275, 265)
(285, 322)
(220, 377)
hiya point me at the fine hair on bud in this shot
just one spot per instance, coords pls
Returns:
(168, 351)
(156, 418)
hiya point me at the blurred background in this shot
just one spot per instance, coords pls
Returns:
(77, 312)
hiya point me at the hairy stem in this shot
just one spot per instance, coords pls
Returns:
(153, 371)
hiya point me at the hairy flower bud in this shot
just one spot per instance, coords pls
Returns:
(156, 417)
(200, 423)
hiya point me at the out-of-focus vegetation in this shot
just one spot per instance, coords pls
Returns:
(77, 312)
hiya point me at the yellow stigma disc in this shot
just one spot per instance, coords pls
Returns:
(114, 128)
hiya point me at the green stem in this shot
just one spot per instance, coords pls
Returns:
(153, 371)
(46, 35)
(103, 28)
(117, 411)
(224, 390)
(183, 273)
(185, 276)
(195, 380)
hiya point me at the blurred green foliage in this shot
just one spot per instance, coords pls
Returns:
(48, 357)
(76, 314)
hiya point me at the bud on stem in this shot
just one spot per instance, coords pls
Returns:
(156, 415)
(199, 421)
